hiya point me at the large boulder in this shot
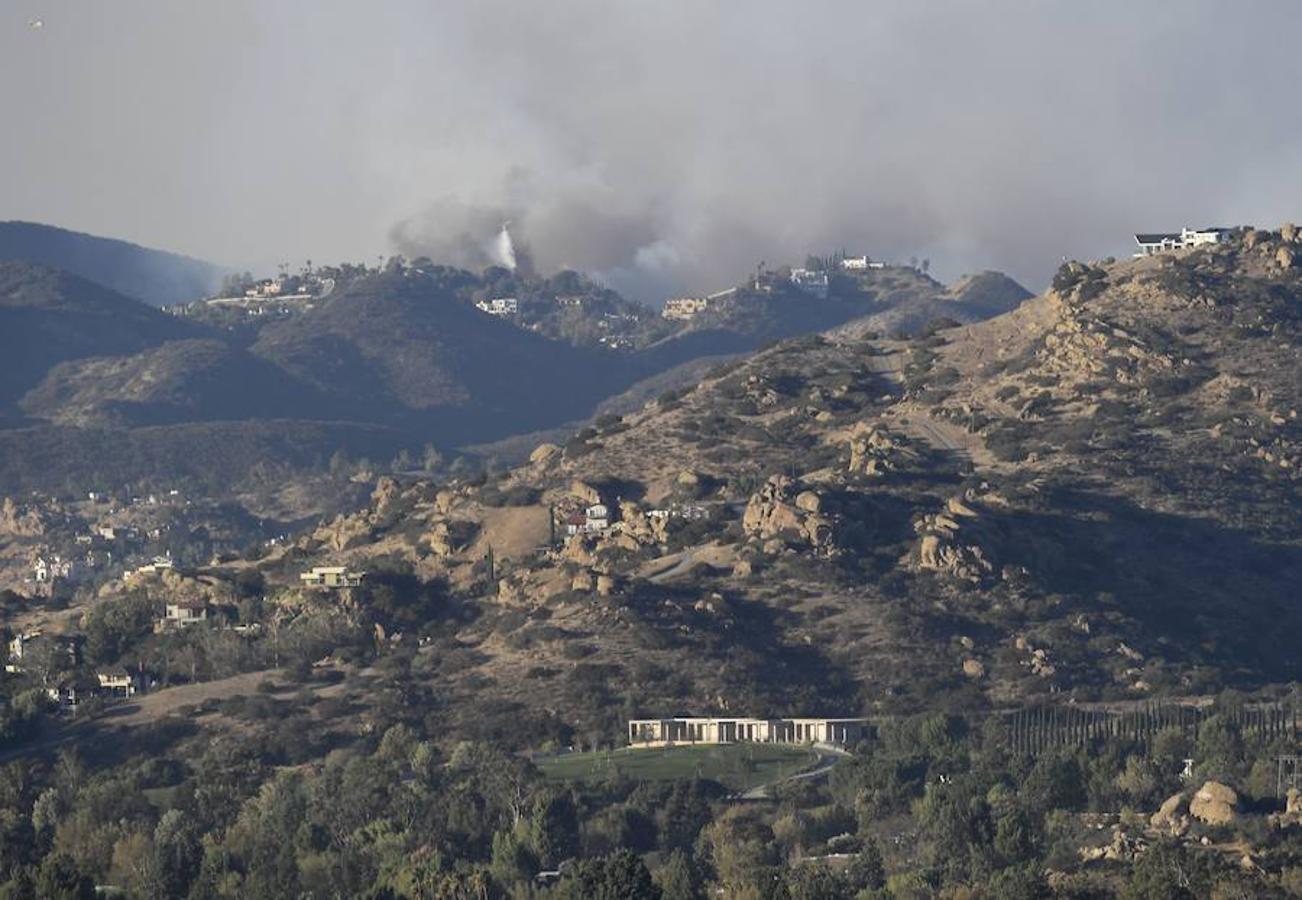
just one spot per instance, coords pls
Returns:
(1214, 804)
(544, 453)
(1170, 817)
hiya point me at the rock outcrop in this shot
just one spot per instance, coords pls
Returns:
(955, 540)
(1170, 817)
(780, 511)
(1215, 804)
(873, 452)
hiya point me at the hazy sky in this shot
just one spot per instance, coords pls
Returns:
(669, 144)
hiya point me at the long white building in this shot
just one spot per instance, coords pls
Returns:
(1160, 242)
(700, 730)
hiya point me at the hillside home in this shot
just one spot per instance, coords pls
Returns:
(1161, 242)
(23, 644)
(855, 264)
(154, 566)
(117, 682)
(684, 308)
(701, 730)
(500, 306)
(48, 569)
(810, 282)
(330, 577)
(184, 611)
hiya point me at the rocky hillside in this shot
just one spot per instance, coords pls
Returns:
(1092, 496)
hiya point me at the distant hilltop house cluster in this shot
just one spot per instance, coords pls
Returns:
(810, 282)
(500, 306)
(31, 652)
(813, 282)
(1151, 243)
(704, 730)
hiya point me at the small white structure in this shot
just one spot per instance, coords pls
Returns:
(330, 577)
(684, 308)
(701, 730)
(810, 282)
(500, 306)
(855, 263)
(1151, 243)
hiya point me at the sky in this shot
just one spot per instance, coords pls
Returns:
(666, 146)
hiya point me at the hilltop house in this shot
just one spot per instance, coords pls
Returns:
(330, 577)
(1160, 242)
(855, 263)
(700, 730)
(46, 570)
(684, 308)
(184, 611)
(500, 306)
(810, 282)
(591, 520)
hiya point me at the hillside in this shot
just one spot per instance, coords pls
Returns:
(48, 317)
(152, 276)
(1051, 558)
(1092, 496)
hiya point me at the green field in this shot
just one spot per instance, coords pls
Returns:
(736, 766)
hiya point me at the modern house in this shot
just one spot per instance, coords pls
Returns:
(855, 263)
(684, 308)
(117, 682)
(184, 611)
(331, 577)
(810, 282)
(697, 730)
(500, 306)
(1162, 241)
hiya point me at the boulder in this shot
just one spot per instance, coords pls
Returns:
(809, 501)
(585, 492)
(544, 453)
(973, 668)
(1214, 803)
(1284, 257)
(1170, 817)
(606, 585)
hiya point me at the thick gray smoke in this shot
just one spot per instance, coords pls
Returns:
(666, 146)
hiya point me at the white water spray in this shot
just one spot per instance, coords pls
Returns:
(503, 248)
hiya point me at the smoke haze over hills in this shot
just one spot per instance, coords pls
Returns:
(666, 146)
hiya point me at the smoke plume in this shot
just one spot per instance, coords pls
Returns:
(664, 146)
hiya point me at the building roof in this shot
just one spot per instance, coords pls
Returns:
(1157, 237)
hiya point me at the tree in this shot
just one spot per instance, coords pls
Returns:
(512, 862)
(867, 871)
(554, 829)
(178, 851)
(621, 876)
(679, 878)
(59, 879)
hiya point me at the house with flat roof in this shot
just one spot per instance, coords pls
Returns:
(704, 730)
(184, 611)
(1151, 243)
(331, 577)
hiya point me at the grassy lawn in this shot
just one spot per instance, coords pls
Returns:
(737, 766)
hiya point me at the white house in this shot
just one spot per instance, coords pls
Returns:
(500, 306)
(810, 282)
(1162, 241)
(597, 517)
(701, 730)
(855, 263)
